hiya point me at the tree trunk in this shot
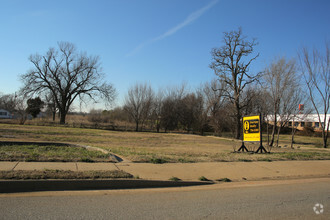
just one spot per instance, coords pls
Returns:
(158, 126)
(273, 132)
(238, 119)
(324, 137)
(238, 126)
(62, 117)
(137, 126)
(267, 133)
(325, 143)
(278, 135)
(292, 135)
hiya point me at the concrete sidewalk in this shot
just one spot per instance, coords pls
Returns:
(237, 171)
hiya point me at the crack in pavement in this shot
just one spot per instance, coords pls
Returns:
(15, 165)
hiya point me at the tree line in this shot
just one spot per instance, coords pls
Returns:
(63, 76)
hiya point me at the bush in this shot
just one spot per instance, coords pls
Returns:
(307, 131)
(286, 130)
(175, 179)
(224, 180)
(203, 178)
(157, 160)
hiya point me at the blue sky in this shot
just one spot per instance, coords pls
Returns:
(162, 42)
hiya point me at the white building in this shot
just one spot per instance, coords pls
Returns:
(4, 114)
(301, 121)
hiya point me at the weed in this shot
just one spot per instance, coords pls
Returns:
(203, 178)
(157, 160)
(87, 160)
(244, 160)
(224, 180)
(173, 178)
(182, 160)
(265, 159)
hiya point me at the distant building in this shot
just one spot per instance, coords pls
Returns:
(4, 114)
(301, 121)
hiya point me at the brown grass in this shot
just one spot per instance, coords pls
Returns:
(63, 174)
(159, 147)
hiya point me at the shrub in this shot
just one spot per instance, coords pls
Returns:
(307, 131)
(224, 180)
(157, 160)
(173, 178)
(203, 178)
(87, 160)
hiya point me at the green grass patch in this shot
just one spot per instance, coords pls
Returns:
(63, 174)
(304, 155)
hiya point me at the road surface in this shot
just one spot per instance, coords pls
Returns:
(292, 199)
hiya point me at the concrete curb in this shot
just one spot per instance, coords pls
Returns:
(13, 186)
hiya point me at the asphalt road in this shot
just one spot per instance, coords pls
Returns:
(261, 200)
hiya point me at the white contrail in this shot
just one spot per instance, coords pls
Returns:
(192, 17)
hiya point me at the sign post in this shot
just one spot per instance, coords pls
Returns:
(252, 132)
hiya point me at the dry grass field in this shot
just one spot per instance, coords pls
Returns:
(163, 147)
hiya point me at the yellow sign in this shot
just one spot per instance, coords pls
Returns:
(251, 128)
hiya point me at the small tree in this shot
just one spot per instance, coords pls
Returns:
(191, 112)
(20, 108)
(138, 103)
(34, 106)
(315, 67)
(282, 84)
(215, 102)
(51, 107)
(7, 102)
(170, 110)
(15, 103)
(157, 110)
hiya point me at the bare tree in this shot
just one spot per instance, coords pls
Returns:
(157, 109)
(169, 114)
(315, 67)
(20, 108)
(231, 65)
(215, 101)
(191, 112)
(51, 107)
(283, 86)
(300, 97)
(202, 119)
(170, 111)
(7, 102)
(68, 75)
(16, 104)
(138, 103)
